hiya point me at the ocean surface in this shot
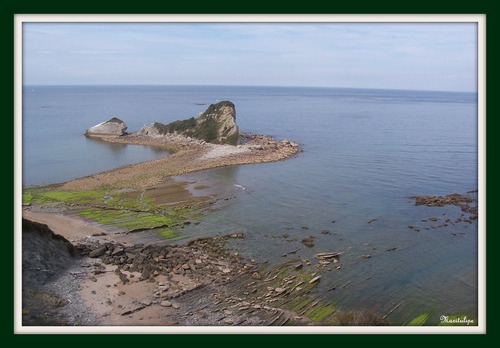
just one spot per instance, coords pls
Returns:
(365, 153)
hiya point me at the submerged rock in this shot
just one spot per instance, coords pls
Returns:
(217, 125)
(112, 127)
(308, 242)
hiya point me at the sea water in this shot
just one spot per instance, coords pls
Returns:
(365, 154)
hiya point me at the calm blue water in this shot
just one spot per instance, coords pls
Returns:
(365, 153)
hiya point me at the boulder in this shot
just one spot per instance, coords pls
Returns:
(112, 127)
(97, 252)
(166, 304)
(217, 125)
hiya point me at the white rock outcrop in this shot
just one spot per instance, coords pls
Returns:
(112, 127)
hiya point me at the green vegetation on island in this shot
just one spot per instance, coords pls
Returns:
(216, 125)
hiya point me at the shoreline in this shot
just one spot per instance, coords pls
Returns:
(102, 288)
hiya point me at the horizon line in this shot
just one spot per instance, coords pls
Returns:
(225, 85)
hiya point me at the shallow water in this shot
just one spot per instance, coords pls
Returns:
(365, 153)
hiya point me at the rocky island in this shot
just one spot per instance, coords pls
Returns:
(216, 125)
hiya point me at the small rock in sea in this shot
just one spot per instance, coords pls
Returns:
(325, 232)
(308, 242)
(327, 255)
(315, 279)
(256, 275)
(305, 227)
(114, 126)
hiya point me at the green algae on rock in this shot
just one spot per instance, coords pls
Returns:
(127, 210)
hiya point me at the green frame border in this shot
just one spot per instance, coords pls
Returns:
(356, 7)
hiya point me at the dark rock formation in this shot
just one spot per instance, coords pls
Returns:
(215, 125)
(45, 254)
(112, 127)
(45, 257)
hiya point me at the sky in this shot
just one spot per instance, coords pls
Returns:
(414, 56)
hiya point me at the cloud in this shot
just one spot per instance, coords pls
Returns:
(319, 54)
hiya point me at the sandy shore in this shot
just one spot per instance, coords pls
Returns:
(199, 283)
(188, 155)
(71, 228)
